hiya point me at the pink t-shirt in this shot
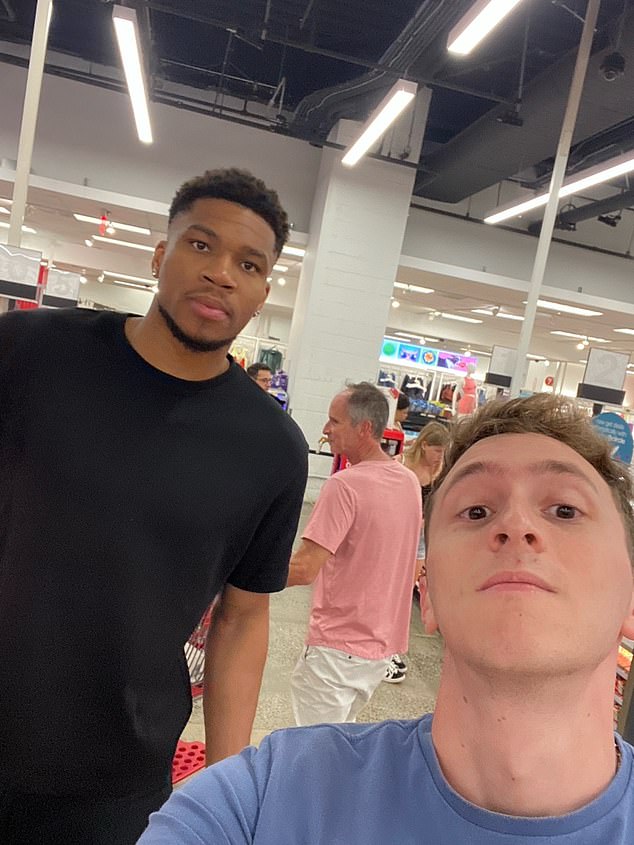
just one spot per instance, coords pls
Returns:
(369, 517)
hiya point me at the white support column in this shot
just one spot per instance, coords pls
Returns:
(343, 302)
(559, 171)
(29, 119)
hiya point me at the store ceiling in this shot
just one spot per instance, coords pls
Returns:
(235, 55)
(314, 61)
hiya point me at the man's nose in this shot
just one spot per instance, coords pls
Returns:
(516, 524)
(220, 270)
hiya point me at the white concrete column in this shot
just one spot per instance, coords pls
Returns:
(356, 234)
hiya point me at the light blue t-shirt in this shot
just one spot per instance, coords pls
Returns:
(353, 784)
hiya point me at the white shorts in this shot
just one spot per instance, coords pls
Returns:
(328, 685)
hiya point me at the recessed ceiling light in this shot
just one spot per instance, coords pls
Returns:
(128, 278)
(83, 280)
(26, 229)
(281, 281)
(88, 242)
(624, 331)
(125, 227)
(459, 317)
(294, 250)
(396, 303)
(122, 243)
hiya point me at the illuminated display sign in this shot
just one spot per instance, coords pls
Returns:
(413, 355)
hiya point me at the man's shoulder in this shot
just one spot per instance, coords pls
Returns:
(267, 416)
(51, 320)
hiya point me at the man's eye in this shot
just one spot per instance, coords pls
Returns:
(564, 511)
(250, 267)
(475, 512)
(200, 246)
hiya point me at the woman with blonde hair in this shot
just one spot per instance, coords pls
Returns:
(425, 458)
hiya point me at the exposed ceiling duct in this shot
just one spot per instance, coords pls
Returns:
(567, 219)
(490, 151)
(319, 112)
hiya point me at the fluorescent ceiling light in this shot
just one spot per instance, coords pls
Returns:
(612, 169)
(26, 229)
(567, 309)
(412, 288)
(4, 210)
(125, 227)
(294, 250)
(399, 96)
(460, 318)
(581, 336)
(502, 314)
(148, 288)
(6, 201)
(280, 268)
(420, 336)
(129, 278)
(396, 303)
(477, 23)
(127, 32)
(624, 331)
(122, 243)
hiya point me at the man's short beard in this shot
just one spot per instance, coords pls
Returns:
(192, 343)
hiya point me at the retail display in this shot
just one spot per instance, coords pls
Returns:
(624, 691)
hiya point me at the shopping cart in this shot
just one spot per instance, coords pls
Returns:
(195, 650)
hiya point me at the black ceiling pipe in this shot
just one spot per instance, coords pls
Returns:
(588, 211)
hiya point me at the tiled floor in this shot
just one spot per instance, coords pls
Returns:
(289, 615)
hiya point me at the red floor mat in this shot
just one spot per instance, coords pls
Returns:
(189, 758)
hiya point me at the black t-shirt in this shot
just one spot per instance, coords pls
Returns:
(128, 497)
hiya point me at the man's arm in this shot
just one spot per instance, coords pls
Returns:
(235, 653)
(306, 563)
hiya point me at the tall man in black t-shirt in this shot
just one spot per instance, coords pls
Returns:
(134, 487)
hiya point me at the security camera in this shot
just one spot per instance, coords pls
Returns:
(612, 66)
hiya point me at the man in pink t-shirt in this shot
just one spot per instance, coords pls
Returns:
(359, 548)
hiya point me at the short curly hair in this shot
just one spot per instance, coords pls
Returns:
(554, 416)
(241, 187)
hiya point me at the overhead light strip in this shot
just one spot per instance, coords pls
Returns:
(116, 242)
(412, 288)
(26, 229)
(477, 23)
(581, 336)
(399, 97)
(294, 250)
(148, 288)
(624, 331)
(459, 318)
(613, 169)
(125, 227)
(129, 278)
(127, 31)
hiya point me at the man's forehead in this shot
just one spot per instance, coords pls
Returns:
(502, 451)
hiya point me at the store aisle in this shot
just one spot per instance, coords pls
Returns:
(289, 615)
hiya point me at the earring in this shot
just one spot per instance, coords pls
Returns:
(154, 272)
(256, 313)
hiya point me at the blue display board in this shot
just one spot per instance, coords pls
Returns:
(617, 431)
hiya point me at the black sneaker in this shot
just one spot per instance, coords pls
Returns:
(398, 661)
(393, 674)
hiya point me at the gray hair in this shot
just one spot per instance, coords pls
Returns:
(366, 402)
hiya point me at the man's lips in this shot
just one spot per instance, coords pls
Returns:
(515, 579)
(210, 309)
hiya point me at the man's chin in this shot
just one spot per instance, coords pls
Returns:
(190, 342)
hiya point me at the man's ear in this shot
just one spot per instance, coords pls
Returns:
(628, 625)
(157, 258)
(426, 608)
